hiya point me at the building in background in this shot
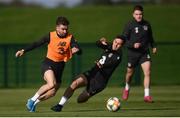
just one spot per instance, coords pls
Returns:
(53, 3)
(74, 3)
(43, 3)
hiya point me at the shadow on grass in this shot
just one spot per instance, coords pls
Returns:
(85, 110)
(123, 109)
(142, 109)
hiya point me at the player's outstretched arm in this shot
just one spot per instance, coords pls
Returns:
(19, 53)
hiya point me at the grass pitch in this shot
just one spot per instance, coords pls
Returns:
(167, 103)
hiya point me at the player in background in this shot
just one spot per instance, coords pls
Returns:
(97, 77)
(138, 34)
(61, 46)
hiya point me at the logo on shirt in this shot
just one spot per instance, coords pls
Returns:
(148, 56)
(110, 55)
(118, 58)
(136, 30)
(145, 27)
(62, 44)
(129, 64)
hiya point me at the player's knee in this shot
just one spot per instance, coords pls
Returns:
(147, 73)
(53, 92)
(51, 85)
(129, 72)
(74, 85)
(83, 97)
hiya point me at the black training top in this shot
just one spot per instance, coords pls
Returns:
(109, 60)
(138, 32)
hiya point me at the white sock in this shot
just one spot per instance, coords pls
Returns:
(37, 101)
(35, 97)
(146, 92)
(127, 86)
(62, 101)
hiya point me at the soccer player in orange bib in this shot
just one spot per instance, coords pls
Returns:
(61, 46)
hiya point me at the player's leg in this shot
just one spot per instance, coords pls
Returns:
(146, 67)
(96, 84)
(133, 58)
(145, 62)
(50, 79)
(57, 74)
(128, 77)
(58, 71)
(50, 84)
(129, 74)
(50, 93)
(83, 97)
(93, 89)
(79, 82)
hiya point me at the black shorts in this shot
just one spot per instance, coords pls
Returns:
(96, 82)
(56, 67)
(135, 58)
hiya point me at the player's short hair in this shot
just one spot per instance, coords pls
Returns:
(62, 20)
(138, 7)
(121, 37)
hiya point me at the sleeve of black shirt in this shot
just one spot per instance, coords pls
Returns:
(76, 45)
(43, 40)
(126, 33)
(152, 42)
(100, 45)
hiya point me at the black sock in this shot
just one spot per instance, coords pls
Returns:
(68, 93)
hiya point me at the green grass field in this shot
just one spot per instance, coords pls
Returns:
(167, 103)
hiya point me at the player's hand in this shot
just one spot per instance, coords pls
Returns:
(103, 41)
(154, 50)
(74, 50)
(137, 45)
(19, 53)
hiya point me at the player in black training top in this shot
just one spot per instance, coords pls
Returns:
(139, 38)
(97, 77)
